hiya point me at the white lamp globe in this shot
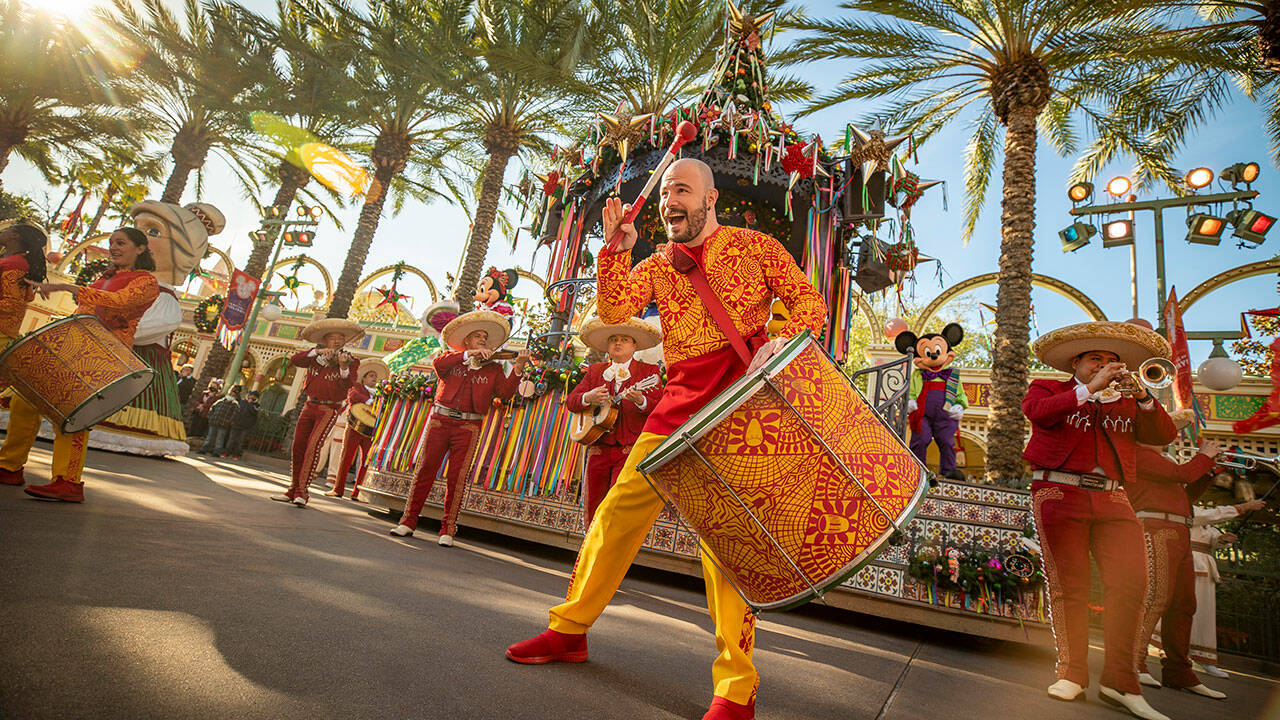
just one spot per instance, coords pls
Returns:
(271, 313)
(1219, 373)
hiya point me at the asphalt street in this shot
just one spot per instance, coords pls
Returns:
(178, 590)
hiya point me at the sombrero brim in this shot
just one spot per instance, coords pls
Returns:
(491, 322)
(376, 366)
(316, 331)
(1182, 418)
(1133, 344)
(595, 333)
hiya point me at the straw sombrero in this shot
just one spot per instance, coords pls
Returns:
(375, 365)
(595, 333)
(1133, 344)
(1182, 418)
(316, 331)
(460, 327)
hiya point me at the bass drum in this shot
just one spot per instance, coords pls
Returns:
(74, 371)
(791, 480)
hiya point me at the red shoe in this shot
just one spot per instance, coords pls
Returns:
(724, 709)
(60, 489)
(550, 646)
(11, 477)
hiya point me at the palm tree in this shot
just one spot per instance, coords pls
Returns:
(55, 89)
(195, 76)
(1008, 66)
(402, 60)
(523, 86)
(122, 175)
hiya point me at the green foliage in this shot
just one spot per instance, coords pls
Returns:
(18, 207)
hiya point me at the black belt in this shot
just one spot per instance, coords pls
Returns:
(449, 412)
(332, 403)
(1167, 517)
(1087, 481)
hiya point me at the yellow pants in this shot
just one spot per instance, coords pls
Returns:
(24, 425)
(622, 522)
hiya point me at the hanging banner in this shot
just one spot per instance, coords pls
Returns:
(241, 291)
(1177, 336)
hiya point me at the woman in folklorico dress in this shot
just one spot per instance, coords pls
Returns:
(152, 423)
(22, 247)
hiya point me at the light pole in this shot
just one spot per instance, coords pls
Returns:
(277, 217)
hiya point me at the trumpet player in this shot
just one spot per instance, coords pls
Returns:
(331, 372)
(1083, 448)
(469, 382)
(1162, 498)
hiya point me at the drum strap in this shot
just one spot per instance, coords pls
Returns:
(683, 261)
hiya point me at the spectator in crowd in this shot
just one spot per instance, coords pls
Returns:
(200, 418)
(186, 383)
(221, 417)
(246, 417)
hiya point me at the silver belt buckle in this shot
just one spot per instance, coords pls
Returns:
(1093, 482)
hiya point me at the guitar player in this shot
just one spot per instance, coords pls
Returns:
(605, 381)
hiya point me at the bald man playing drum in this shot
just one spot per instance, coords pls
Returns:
(745, 270)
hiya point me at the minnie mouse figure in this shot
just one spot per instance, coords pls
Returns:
(937, 395)
(494, 290)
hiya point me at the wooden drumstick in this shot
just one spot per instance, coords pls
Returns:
(685, 132)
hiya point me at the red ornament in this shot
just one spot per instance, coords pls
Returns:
(552, 184)
(795, 161)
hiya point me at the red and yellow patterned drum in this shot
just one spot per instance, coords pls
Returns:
(790, 478)
(75, 371)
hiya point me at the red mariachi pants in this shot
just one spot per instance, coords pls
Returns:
(352, 443)
(1171, 600)
(1072, 523)
(309, 436)
(458, 439)
(604, 462)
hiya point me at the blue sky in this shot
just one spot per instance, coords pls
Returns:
(432, 236)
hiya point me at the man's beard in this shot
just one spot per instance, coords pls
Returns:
(694, 222)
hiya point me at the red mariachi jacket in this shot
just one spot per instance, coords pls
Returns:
(324, 382)
(1073, 437)
(471, 390)
(358, 394)
(1166, 486)
(631, 423)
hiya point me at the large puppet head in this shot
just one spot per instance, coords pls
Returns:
(494, 289)
(933, 351)
(177, 236)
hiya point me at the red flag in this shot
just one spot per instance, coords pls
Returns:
(1177, 335)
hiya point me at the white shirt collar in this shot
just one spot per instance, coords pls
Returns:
(618, 371)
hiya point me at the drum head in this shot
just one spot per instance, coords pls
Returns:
(104, 403)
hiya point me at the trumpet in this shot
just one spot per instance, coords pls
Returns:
(1226, 458)
(1155, 373)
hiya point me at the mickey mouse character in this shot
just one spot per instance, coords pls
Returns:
(937, 395)
(494, 290)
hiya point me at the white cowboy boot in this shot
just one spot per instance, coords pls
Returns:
(1148, 680)
(1133, 702)
(1205, 691)
(1066, 690)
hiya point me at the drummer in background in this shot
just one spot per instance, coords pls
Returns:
(1162, 498)
(747, 270)
(372, 372)
(119, 298)
(331, 372)
(22, 246)
(468, 384)
(1083, 447)
(616, 376)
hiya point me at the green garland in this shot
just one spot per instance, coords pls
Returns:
(978, 572)
(205, 321)
(409, 386)
(90, 272)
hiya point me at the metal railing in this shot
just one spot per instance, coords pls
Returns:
(886, 388)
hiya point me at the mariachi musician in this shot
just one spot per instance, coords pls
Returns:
(1162, 496)
(331, 372)
(358, 437)
(118, 299)
(1083, 448)
(470, 379)
(603, 381)
(739, 272)
(22, 246)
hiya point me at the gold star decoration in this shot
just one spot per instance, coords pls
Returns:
(744, 26)
(623, 130)
(871, 150)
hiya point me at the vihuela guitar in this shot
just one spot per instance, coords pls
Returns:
(588, 427)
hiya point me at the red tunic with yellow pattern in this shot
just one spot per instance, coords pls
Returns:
(119, 300)
(14, 296)
(747, 270)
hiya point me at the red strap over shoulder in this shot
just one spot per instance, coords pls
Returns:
(683, 261)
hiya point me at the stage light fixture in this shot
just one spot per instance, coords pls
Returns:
(288, 237)
(317, 212)
(1245, 173)
(275, 211)
(1119, 185)
(1205, 229)
(1199, 177)
(1117, 233)
(1076, 236)
(303, 211)
(1080, 192)
(1250, 225)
